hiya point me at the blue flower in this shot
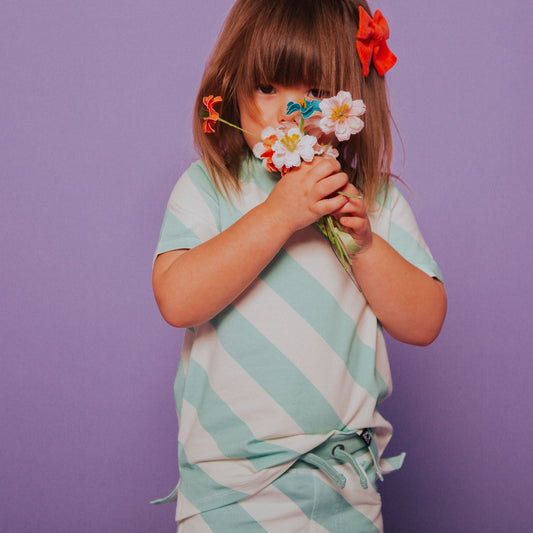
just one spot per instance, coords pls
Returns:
(306, 107)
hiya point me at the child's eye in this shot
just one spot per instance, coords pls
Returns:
(318, 93)
(266, 89)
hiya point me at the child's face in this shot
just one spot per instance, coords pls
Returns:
(271, 101)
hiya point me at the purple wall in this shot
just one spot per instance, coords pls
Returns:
(95, 112)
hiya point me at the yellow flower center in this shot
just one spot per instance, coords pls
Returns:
(290, 141)
(339, 113)
(302, 103)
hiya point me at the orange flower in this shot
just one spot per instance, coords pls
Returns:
(212, 116)
(263, 150)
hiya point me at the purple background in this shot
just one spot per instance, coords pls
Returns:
(95, 114)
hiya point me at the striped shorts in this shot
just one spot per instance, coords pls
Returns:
(331, 490)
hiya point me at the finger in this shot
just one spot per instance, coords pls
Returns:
(331, 184)
(323, 167)
(353, 207)
(326, 206)
(356, 225)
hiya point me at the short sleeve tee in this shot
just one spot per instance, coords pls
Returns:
(298, 357)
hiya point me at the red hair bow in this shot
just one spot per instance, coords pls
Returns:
(371, 41)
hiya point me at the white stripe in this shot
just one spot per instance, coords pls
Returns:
(287, 515)
(265, 418)
(382, 361)
(202, 450)
(366, 501)
(380, 221)
(403, 217)
(186, 203)
(184, 507)
(327, 373)
(249, 196)
(194, 524)
(320, 259)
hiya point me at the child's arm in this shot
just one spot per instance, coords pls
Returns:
(192, 286)
(410, 305)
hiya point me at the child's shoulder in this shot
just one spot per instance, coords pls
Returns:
(390, 205)
(388, 197)
(197, 170)
(197, 177)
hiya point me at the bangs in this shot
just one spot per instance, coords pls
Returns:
(296, 42)
(291, 58)
(289, 43)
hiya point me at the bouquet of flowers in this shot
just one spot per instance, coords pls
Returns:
(312, 128)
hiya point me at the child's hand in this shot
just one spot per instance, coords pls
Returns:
(354, 218)
(307, 193)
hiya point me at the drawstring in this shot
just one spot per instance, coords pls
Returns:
(320, 460)
(172, 497)
(339, 454)
(323, 465)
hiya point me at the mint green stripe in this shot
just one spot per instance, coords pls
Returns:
(179, 386)
(232, 435)
(383, 198)
(201, 489)
(275, 373)
(232, 519)
(302, 292)
(228, 214)
(412, 250)
(253, 171)
(397, 461)
(324, 504)
(174, 234)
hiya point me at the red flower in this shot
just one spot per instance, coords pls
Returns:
(212, 116)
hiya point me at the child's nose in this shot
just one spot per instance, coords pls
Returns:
(282, 111)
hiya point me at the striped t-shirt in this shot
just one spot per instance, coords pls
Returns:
(297, 357)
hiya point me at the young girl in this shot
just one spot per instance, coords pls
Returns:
(284, 362)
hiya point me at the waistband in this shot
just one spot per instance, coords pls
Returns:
(343, 448)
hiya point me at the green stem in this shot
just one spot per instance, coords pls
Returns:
(326, 146)
(240, 129)
(329, 227)
(357, 196)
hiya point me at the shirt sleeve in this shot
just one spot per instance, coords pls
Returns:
(405, 237)
(192, 213)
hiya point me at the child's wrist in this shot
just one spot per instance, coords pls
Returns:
(274, 221)
(367, 249)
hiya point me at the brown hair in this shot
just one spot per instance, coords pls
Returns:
(290, 42)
